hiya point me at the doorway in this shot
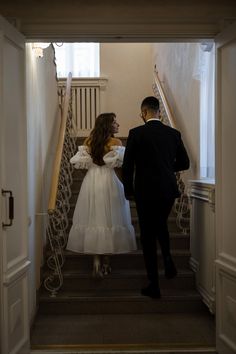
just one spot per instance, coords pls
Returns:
(193, 86)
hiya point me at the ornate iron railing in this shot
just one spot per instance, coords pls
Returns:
(182, 204)
(60, 194)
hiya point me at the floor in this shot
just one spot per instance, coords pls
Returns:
(130, 331)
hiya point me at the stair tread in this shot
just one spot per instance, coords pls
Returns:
(117, 295)
(125, 273)
(177, 252)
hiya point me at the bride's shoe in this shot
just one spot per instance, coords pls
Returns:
(106, 268)
(97, 272)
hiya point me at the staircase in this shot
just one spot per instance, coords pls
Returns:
(119, 292)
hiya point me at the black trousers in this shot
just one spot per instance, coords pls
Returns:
(153, 216)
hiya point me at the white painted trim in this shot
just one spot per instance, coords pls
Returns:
(200, 182)
(16, 262)
(194, 264)
(85, 81)
(228, 342)
(224, 266)
(226, 36)
(160, 31)
(10, 32)
(24, 341)
(16, 273)
(208, 300)
(203, 190)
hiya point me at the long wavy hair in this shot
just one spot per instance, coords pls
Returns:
(99, 137)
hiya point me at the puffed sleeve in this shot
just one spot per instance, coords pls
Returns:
(114, 158)
(82, 158)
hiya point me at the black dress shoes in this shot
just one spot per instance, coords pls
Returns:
(170, 270)
(152, 291)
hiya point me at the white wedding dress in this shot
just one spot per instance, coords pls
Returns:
(101, 221)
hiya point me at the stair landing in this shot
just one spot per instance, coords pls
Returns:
(134, 333)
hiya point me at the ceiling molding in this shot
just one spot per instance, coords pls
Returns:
(119, 20)
(150, 32)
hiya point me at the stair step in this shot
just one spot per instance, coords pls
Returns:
(122, 302)
(125, 349)
(126, 261)
(76, 281)
(178, 241)
(172, 225)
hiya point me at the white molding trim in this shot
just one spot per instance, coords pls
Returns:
(10, 32)
(194, 264)
(227, 341)
(203, 190)
(227, 263)
(208, 300)
(227, 35)
(62, 30)
(17, 273)
(86, 81)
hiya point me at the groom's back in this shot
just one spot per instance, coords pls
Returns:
(157, 146)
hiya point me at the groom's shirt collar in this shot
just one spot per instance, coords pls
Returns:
(152, 119)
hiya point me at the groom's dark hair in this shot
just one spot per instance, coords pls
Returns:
(151, 103)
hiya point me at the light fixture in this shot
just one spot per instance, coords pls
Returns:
(38, 48)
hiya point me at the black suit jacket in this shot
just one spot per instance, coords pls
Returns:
(154, 152)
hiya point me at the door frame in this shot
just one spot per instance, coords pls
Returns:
(225, 263)
(218, 137)
(14, 268)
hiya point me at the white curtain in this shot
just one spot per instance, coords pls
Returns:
(207, 113)
(82, 59)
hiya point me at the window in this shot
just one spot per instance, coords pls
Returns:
(81, 59)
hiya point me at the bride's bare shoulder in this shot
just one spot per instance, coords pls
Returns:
(114, 141)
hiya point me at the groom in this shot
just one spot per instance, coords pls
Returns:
(154, 152)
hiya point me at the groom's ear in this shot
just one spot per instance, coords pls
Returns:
(144, 112)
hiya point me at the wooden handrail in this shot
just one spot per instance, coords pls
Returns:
(59, 150)
(164, 100)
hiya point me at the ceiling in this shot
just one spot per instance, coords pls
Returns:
(119, 20)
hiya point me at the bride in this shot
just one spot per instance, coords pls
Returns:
(101, 221)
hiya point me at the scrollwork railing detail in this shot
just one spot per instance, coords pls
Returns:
(182, 205)
(59, 204)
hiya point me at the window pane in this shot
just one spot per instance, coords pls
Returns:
(81, 59)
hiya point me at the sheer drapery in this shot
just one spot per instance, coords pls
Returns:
(207, 112)
(82, 59)
(204, 72)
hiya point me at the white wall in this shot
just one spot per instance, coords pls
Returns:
(129, 69)
(43, 123)
(178, 68)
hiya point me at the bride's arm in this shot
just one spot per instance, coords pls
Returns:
(118, 170)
